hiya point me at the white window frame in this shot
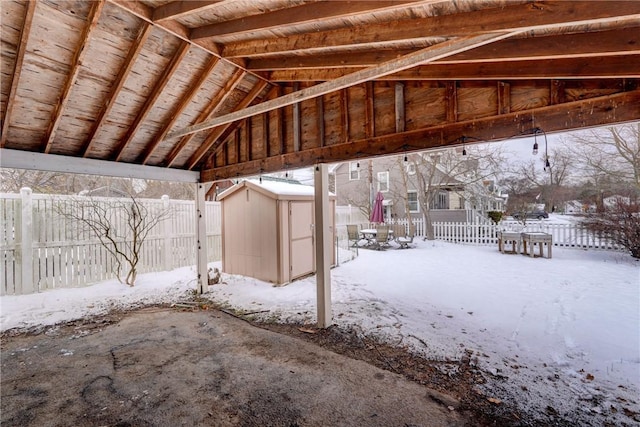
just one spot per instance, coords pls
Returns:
(409, 202)
(353, 167)
(383, 178)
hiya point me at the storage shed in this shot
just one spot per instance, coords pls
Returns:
(268, 230)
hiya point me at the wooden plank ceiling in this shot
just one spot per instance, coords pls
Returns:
(238, 87)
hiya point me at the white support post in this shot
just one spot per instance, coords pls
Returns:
(201, 238)
(167, 229)
(323, 245)
(26, 285)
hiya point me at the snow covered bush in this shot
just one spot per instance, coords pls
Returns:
(619, 222)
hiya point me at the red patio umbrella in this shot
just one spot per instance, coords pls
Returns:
(377, 214)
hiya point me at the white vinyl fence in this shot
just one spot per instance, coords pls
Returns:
(43, 247)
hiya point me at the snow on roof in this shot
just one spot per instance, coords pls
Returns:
(285, 188)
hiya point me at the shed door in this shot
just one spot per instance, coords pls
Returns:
(301, 256)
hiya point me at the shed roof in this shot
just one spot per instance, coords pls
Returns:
(234, 88)
(274, 189)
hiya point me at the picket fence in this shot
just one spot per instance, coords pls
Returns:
(41, 248)
(563, 235)
(568, 235)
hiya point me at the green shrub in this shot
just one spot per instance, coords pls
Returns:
(495, 216)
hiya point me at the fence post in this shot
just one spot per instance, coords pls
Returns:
(168, 233)
(26, 285)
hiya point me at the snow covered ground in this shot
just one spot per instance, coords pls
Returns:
(561, 333)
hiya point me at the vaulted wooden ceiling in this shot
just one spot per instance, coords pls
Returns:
(235, 87)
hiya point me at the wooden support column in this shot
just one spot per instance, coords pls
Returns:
(323, 243)
(201, 238)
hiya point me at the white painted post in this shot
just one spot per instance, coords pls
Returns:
(201, 238)
(26, 285)
(168, 233)
(323, 245)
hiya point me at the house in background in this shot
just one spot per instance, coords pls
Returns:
(453, 198)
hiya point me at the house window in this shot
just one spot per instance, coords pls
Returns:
(383, 181)
(441, 201)
(412, 198)
(354, 171)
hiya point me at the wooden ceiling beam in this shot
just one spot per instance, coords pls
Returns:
(179, 109)
(598, 111)
(175, 28)
(151, 98)
(430, 54)
(602, 43)
(564, 68)
(211, 140)
(128, 64)
(178, 9)
(529, 16)
(208, 112)
(76, 64)
(17, 67)
(293, 15)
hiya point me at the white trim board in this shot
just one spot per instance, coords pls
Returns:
(55, 163)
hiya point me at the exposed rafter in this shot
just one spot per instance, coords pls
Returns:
(623, 41)
(564, 68)
(17, 67)
(129, 61)
(76, 63)
(150, 100)
(423, 56)
(213, 137)
(297, 14)
(209, 111)
(177, 9)
(182, 105)
(528, 16)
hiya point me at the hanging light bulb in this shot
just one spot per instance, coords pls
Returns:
(464, 151)
(406, 159)
(535, 148)
(358, 165)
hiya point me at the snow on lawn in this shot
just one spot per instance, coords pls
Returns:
(561, 333)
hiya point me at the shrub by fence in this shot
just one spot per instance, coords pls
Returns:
(41, 248)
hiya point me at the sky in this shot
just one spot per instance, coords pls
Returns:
(561, 332)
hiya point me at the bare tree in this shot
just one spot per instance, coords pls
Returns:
(446, 169)
(121, 226)
(613, 152)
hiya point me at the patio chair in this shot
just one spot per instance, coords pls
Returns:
(382, 237)
(353, 235)
(406, 239)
